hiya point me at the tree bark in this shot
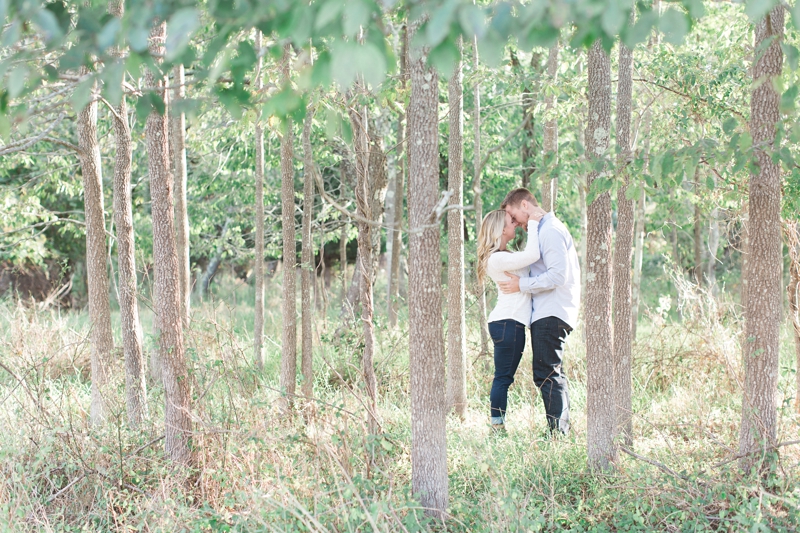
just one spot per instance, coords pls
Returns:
(359, 118)
(600, 400)
(528, 148)
(764, 302)
(177, 146)
(478, 202)
(393, 287)
(793, 237)
(713, 246)
(135, 383)
(623, 250)
(638, 258)
(258, 326)
(456, 327)
(308, 270)
(288, 379)
(376, 186)
(426, 343)
(549, 178)
(698, 241)
(102, 340)
(177, 395)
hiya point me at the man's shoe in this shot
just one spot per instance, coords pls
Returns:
(499, 429)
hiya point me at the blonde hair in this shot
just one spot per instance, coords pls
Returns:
(489, 239)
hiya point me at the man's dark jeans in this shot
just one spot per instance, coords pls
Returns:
(508, 337)
(547, 340)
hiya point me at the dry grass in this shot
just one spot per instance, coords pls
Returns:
(320, 470)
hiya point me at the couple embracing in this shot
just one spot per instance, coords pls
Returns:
(538, 287)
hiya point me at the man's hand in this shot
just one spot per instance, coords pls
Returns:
(511, 286)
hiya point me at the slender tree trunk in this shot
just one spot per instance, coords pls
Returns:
(102, 340)
(528, 146)
(478, 202)
(377, 186)
(550, 179)
(698, 242)
(360, 120)
(426, 344)
(135, 383)
(764, 302)
(713, 245)
(288, 379)
(177, 145)
(393, 290)
(623, 250)
(793, 237)
(258, 327)
(308, 276)
(343, 258)
(456, 327)
(600, 400)
(638, 258)
(177, 394)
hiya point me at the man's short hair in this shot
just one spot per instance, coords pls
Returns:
(515, 197)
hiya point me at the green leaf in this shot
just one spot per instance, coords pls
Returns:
(182, 24)
(5, 127)
(82, 94)
(47, 22)
(795, 10)
(491, 49)
(695, 8)
(444, 57)
(674, 25)
(108, 35)
(792, 55)
(757, 9)
(16, 80)
(370, 63)
(472, 20)
(438, 27)
(327, 13)
(343, 68)
(729, 125)
(710, 182)
(356, 15)
(112, 81)
(788, 99)
(613, 18)
(137, 37)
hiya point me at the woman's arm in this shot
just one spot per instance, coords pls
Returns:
(514, 260)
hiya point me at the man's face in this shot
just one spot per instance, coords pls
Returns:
(518, 214)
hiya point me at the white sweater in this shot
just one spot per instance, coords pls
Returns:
(515, 306)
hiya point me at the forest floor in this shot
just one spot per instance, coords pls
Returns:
(319, 469)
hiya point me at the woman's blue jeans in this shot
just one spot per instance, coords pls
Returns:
(508, 337)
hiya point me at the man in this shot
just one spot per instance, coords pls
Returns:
(554, 283)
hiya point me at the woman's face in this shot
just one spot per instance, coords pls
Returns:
(509, 229)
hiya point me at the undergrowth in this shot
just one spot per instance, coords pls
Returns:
(320, 469)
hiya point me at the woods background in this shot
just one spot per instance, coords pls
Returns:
(237, 264)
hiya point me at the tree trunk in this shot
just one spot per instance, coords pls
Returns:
(426, 344)
(360, 121)
(638, 258)
(393, 287)
(102, 340)
(764, 303)
(713, 246)
(623, 249)
(793, 236)
(698, 241)
(528, 148)
(258, 326)
(216, 261)
(135, 383)
(343, 258)
(177, 145)
(288, 379)
(376, 186)
(177, 395)
(478, 202)
(549, 178)
(456, 327)
(600, 400)
(306, 359)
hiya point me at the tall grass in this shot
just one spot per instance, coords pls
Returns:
(321, 470)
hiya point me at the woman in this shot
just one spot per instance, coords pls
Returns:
(512, 313)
